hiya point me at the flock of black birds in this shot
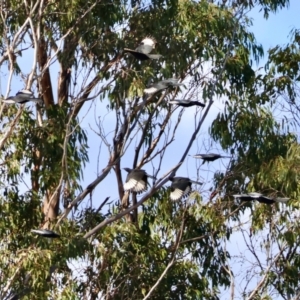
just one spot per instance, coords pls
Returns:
(142, 52)
(137, 179)
(181, 187)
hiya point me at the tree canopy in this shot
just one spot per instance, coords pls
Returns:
(127, 245)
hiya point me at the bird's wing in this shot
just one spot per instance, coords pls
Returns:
(180, 103)
(140, 187)
(196, 182)
(198, 103)
(243, 197)
(9, 101)
(136, 54)
(264, 199)
(24, 93)
(176, 194)
(212, 155)
(187, 191)
(186, 103)
(45, 233)
(198, 155)
(21, 101)
(25, 100)
(130, 184)
(150, 90)
(178, 188)
(146, 49)
(155, 87)
(135, 185)
(154, 56)
(170, 81)
(255, 195)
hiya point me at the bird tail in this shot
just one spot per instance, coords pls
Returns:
(199, 104)
(196, 182)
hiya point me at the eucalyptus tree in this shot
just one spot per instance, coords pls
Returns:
(262, 123)
(160, 249)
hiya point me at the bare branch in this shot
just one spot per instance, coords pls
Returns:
(87, 191)
(162, 181)
(12, 126)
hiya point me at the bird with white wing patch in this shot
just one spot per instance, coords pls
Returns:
(162, 85)
(186, 103)
(181, 187)
(22, 97)
(136, 181)
(142, 52)
(210, 157)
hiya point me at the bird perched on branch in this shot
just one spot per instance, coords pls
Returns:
(181, 187)
(186, 103)
(142, 52)
(136, 180)
(161, 85)
(260, 198)
(21, 97)
(210, 156)
(45, 233)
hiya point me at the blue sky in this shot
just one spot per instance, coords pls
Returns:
(276, 28)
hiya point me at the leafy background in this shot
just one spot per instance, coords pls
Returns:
(214, 248)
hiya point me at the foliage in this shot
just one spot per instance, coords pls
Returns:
(142, 247)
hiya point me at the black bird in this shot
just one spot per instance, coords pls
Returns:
(161, 85)
(181, 187)
(186, 103)
(260, 198)
(45, 233)
(136, 180)
(21, 97)
(142, 52)
(210, 156)
(244, 197)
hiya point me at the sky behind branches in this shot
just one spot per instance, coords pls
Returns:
(271, 32)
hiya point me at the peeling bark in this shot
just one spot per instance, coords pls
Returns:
(45, 80)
